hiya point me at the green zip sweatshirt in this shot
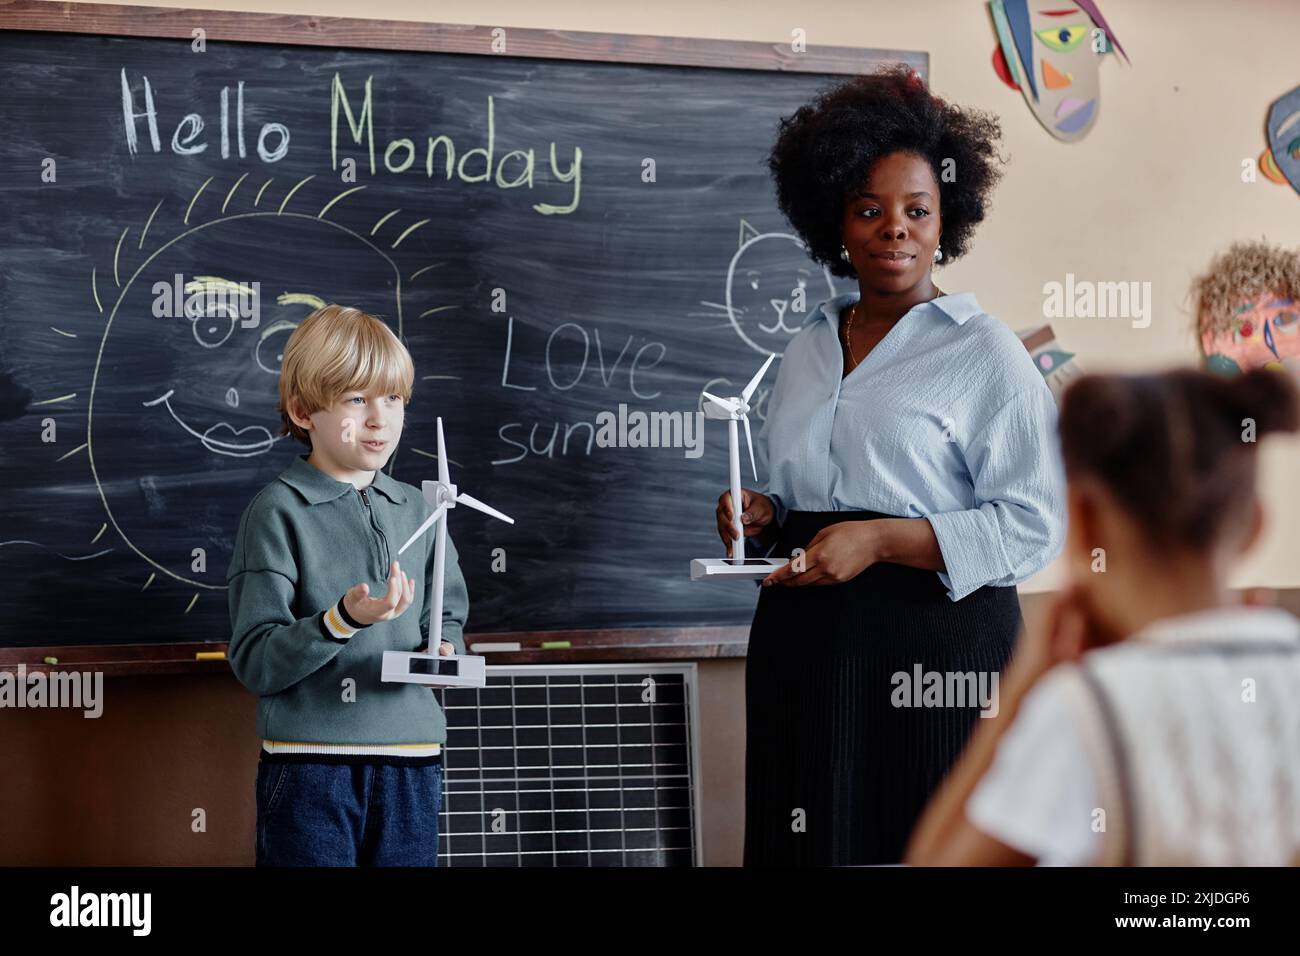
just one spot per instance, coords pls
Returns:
(303, 542)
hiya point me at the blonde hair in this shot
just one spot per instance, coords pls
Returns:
(337, 350)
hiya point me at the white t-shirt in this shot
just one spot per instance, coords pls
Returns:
(1039, 794)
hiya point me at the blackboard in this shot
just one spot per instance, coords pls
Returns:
(639, 265)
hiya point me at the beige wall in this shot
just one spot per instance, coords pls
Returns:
(1149, 195)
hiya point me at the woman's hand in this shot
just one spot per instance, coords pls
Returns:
(446, 649)
(758, 514)
(837, 553)
(368, 610)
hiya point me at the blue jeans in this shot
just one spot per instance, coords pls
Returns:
(337, 814)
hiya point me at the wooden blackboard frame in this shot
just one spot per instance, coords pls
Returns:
(414, 36)
(613, 644)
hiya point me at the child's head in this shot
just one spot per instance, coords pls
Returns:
(1161, 474)
(345, 379)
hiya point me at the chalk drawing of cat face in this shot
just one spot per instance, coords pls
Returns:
(184, 405)
(772, 286)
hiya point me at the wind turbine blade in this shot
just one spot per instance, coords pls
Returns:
(424, 527)
(749, 443)
(444, 472)
(753, 382)
(486, 509)
(726, 404)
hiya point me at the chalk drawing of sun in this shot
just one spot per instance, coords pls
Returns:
(181, 420)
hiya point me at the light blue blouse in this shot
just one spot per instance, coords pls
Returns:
(947, 418)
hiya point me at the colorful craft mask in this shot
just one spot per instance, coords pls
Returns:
(1051, 51)
(1281, 161)
(1056, 365)
(1248, 309)
(1264, 333)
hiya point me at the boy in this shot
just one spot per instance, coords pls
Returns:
(350, 771)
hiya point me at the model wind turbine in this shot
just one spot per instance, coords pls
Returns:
(415, 667)
(736, 410)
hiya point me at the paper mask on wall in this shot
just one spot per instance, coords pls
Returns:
(1281, 161)
(1248, 310)
(1056, 365)
(1053, 56)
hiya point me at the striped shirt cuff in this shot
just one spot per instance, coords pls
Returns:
(970, 549)
(338, 625)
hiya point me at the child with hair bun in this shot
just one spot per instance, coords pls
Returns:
(1155, 719)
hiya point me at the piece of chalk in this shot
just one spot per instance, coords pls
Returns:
(556, 645)
(51, 660)
(210, 656)
(488, 648)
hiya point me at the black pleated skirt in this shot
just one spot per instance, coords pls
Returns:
(835, 774)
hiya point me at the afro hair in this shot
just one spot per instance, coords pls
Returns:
(826, 150)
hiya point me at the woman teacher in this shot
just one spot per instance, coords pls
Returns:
(912, 455)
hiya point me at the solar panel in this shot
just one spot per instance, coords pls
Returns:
(572, 765)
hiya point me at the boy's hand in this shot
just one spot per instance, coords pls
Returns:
(446, 649)
(368, 610)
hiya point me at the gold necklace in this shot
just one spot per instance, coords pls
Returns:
(848, 328)
(848, 336)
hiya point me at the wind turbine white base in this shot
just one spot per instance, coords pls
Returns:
(434, 670)
(732, 569)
